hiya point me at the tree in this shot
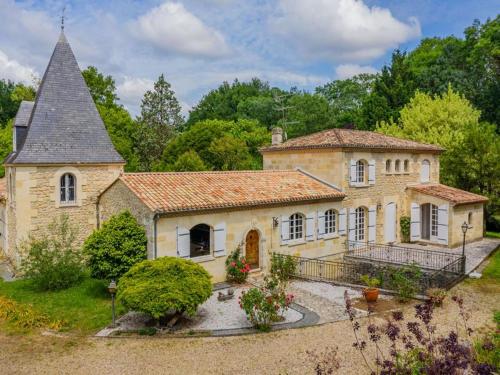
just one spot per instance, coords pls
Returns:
(472, 148)
(307, 113)
(101, 87)
(5, 144)
(229, 154)
(250, 100)
(164, 285)
(115, 247)
(120, 126)
(160, 118)
(346, 97)
(189, 161)
(203, 138)
(11, 95)
(392, 89)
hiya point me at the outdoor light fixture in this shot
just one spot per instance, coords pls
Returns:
(275, 222)
(112, 290)
(465, 227)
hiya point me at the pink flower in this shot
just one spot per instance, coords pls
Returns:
(233, 264)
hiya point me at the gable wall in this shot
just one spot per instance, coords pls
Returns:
(119, 198)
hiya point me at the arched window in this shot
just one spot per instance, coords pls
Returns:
(330, 221)
(359, 224)
(388, 165)
(296, 226)
(360, 171)
(68, 192)
(200, 240)
(407, 165)
(397, 166)
(425, 172)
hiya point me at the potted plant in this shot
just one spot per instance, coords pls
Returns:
(371, 292)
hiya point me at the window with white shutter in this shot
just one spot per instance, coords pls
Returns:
(372, 224)
(343, 222)
(220, 240)
(310, 226)
(285, 230)
(415, 230)
(183, 242)
(443, 224)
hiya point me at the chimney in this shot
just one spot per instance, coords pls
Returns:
(277, 137)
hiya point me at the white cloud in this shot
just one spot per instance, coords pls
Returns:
(14, 71)
(131, 91)
(341, 30)
(345, 71)
(172, 28)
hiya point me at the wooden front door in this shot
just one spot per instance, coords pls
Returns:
(252, 248)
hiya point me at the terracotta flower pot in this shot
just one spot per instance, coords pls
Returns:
(371, 294)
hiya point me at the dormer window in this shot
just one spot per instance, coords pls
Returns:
(68, 192)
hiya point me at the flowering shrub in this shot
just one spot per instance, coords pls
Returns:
(237, 268)
(283, 266)
(415, 347)
(266, 304)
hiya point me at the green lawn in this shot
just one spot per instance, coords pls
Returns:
(84, 308)
(492, 270)
(493, 234)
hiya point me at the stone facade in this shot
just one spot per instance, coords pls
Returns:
(33, 198)
(333, 166)
(118, 198)
(237, 223)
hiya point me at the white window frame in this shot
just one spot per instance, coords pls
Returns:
(434, 221)
(65, 189)
(360, 224)
(296, 227)
(330, 222)
(360, 171)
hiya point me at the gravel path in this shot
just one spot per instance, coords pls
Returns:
(215, 315)
(281, 352)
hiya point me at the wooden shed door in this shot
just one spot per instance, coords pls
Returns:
(252, 248)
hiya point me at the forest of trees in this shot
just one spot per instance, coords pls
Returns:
(446, 91)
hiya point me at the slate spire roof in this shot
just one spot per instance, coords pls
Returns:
(64, 126)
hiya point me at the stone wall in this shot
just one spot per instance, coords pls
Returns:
(333, 167)
(238, 224)
(36, 204)
(3, 225)
(119, 198)
(461, 215)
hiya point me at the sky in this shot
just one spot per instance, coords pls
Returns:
(198, 44)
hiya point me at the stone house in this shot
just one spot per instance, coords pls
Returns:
(317, 194)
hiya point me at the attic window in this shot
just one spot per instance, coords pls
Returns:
(68, 193)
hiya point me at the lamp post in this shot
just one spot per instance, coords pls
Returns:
(112, 291)
(465, 227)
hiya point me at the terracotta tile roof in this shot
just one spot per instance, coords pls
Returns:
(453, 195)
(348, 138)
(3, 189)
(192, 191)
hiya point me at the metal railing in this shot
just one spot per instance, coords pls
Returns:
(399, 255)
(350, 272)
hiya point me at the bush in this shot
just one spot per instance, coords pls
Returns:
(405, 281)
(405, 223)
(164, 285)
(283, 266)
(236, 267)
(53, 262)
(24, 316)
(266, 304)
(115, 247)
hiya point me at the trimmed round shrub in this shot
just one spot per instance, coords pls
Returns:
(115, 247)
(164, 285)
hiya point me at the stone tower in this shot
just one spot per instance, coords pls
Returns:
(62, 156)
